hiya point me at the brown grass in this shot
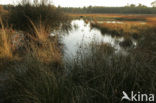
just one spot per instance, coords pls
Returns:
(45, 48)
(48, 52)
(41, 31)
(123, 29)
(42, 47)
(2, 11)
(146, 17)
(126, 28)
(5, 42)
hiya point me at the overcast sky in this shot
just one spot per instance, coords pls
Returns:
(81, 3)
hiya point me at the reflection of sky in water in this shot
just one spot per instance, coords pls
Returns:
(82, 33)
(114, 22)
(119, 22)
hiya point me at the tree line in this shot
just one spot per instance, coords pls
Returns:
(132, 9)
(128, 9)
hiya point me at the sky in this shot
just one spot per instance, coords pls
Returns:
(82, 3)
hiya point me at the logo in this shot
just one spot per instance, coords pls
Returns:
(138, 97)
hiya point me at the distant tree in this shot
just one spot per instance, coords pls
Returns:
(153, 4)
(141, 5)
(59, 7)
(139, 9)
(132, 5)
(90, 7)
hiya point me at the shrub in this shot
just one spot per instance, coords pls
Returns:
(21, 14)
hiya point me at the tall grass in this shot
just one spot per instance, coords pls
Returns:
(98, 77)
(46, 52)
(5, 42)
(43, 46)
(42, 32)
(36, 68)
(33, 81)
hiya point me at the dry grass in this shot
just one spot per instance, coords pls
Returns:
(151, 20)
(124, 29)
(47, 53)
(96, 15)
(42, 46)
(5, 42)
(118, 17)
(2, 11)
(45, 48)
(42, 33)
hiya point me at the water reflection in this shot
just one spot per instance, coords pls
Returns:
(113, 22)
(81, 32)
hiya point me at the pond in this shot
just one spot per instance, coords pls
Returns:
(114, 22)
(82, 33)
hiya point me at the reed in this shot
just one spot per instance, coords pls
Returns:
(5, 42)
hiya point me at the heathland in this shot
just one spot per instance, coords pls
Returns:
(33, 68)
